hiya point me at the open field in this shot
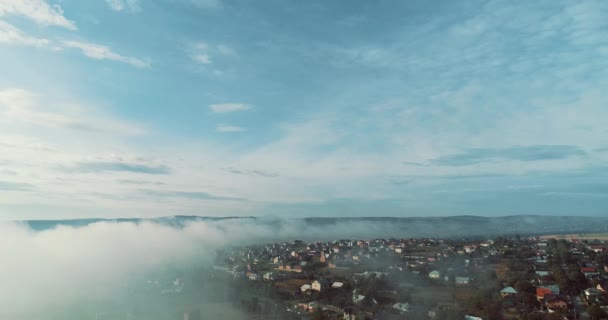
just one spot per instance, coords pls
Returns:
(442, 294)
(501, 270)
(292, 284)
(583, 236)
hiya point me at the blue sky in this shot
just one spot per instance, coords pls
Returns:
(113, 108)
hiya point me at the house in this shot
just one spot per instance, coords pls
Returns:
(268, 276)
(324, 257)
(598, 248)
(542, 273)
(592, 292)
(462, 281)
(590, 272)
(320, 285)
(554, 288)
(541, 292)
(469, 248)
(357, 297)
(310, 307)
(556, 303)
(402, 307)
(337, 285)
(508, 292)
(292, 268)
(305, 287)
(434, 274)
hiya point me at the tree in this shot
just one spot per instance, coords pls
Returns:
(523, 286)
(555, 316)
(527, 299)
(533, 316)
(595, 312)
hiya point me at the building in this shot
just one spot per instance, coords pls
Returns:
(462, 281)
(508, 292)
(434, 274)
(556, 303)
(541, 292)
(320, 285)
(590, 272)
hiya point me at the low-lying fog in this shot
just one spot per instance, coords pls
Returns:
(115, 270)
(119, 270)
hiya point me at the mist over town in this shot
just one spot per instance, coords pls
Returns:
(303, 160)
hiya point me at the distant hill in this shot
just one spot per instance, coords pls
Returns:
(478, 225)
(379, 226)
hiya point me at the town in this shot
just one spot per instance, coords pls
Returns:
(427, 278)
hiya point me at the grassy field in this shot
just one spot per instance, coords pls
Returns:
(501, 270)
(584, 236)
(291, 285)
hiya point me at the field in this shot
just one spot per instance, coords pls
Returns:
(442, 295)
(584, 236)
(291, 285)
(501, 270)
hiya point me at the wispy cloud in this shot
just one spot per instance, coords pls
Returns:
(190, 195)
(15, 186)
(400, 182)
(122, 167)
(10, 34)
(229, 107)
(229, 128)
(260, 173)
(202, 58)
(124, 5)
(225, 50)
(101, 52)
(210, 57)
(523, 153)
(206, 4)
(19, 105)
(140, 182)
(38, 11)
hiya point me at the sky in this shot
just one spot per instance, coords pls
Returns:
(145, 108)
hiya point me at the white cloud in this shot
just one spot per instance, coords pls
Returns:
(202, 58)
(121, 5)
(10, 34)
(101, 52)
(206, 4)
(228, 128)
(225, 50)
(229, 107)
(206, 54)
(38, 11)
(22, 106)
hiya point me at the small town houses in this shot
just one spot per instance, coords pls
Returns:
(316, 274)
